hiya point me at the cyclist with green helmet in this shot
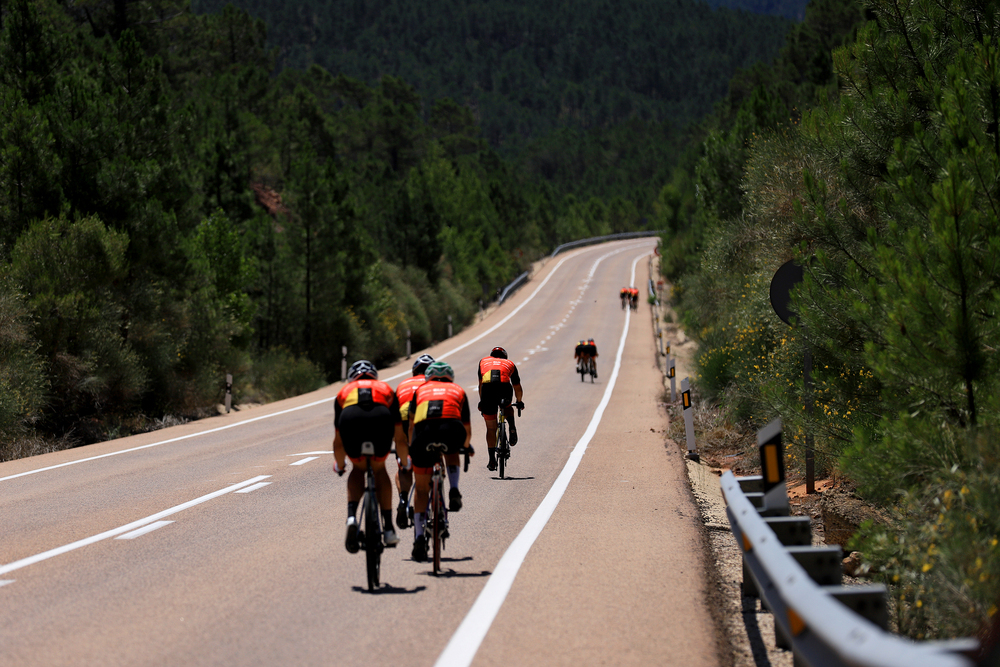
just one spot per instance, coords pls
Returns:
(404, 474)
(439, 422)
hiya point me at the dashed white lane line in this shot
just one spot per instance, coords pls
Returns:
(464, 644)
(127, 528)
(306, 460)
(258, 485)
(4, 582)
(145, 529)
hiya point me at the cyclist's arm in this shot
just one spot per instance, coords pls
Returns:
(339, 455)
(518, 392)
(402, 445)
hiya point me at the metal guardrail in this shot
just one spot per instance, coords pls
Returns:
(823, 623)
(602, 239)
(523, 278)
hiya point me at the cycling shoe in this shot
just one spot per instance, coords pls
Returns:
(351, 542)
(419, 552)
(454, 500)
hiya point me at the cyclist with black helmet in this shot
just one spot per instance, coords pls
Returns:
(404, 476)
(498, 380)
(366, 410)
(439, 416)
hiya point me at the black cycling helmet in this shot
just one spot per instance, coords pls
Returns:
(362, 369)
(421, 364)
(498, 352)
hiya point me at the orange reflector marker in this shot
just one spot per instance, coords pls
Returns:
(687, 399)
(771, 464)
(747, 545)
(795, 622)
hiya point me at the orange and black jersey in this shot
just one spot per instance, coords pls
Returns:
(439, 400)
(366, 395)
(404, 392)
(494, 370)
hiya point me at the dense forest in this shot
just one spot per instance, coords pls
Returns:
(591, 96)
(180, 200)
(868, 153)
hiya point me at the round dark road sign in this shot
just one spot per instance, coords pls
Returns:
(787, 275)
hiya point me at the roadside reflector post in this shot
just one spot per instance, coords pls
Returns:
(449, 326)
(343, 362)
(408, 338)
(672, 374)
(772, 465)
(229, 392)
(692, 452)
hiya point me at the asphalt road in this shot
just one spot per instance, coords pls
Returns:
(220, 542)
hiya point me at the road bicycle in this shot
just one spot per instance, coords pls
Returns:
(370, 533)
(503, 443)
(587, 366)
(437, 510)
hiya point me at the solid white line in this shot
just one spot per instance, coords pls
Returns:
(470, 634)
(301, 407)
(258, 485)
(4, 582)
(145, 529)
(298, 463)
(312, 453)
(45, 555)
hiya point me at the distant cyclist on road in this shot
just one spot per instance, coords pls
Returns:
(498, 379)
(366, 410)
(634, 298)
(586, 352)
(404, 476)
(439, 422)
(625, 296)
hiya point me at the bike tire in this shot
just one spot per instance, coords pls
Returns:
(373, 541)
(437, 525)
(504, 449)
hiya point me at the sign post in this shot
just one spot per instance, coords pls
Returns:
(785, 278)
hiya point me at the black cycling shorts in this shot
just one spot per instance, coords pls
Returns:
(357, 425)
(492, 393)
(433, 437)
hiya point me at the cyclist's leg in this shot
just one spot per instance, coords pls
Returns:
(383, 489)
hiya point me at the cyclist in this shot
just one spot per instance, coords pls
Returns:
(586, 351)
(366, 410)
(498, 379)
(634, 297)
(625, 296)
(404, 476)
(438, 420)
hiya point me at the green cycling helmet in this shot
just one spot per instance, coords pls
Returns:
(440, 370)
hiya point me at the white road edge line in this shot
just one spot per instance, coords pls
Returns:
(308, 405)
(464, 644)
(306, 460)
(58, 551)
(142, 531)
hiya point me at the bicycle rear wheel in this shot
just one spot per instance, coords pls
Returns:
(437, 523)
(373, 540)
(503, 449)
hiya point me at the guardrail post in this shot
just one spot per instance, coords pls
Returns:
(692, 453)
(772, 465)
(343, 362)
(672, 374)
(229, 392)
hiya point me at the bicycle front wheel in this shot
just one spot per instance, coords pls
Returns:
(373, 540)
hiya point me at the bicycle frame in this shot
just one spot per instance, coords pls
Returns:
(437, 510)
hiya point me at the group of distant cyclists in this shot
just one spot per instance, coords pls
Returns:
(630, 298)
(425, 412)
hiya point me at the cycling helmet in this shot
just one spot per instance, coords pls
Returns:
(498, 352)
(440, 370)
(362, 369)
(421, 364)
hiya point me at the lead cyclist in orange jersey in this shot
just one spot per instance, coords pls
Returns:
(439, 423)
(498, 380)
(404, 476)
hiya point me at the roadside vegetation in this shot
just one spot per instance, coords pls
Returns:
(876, 173)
